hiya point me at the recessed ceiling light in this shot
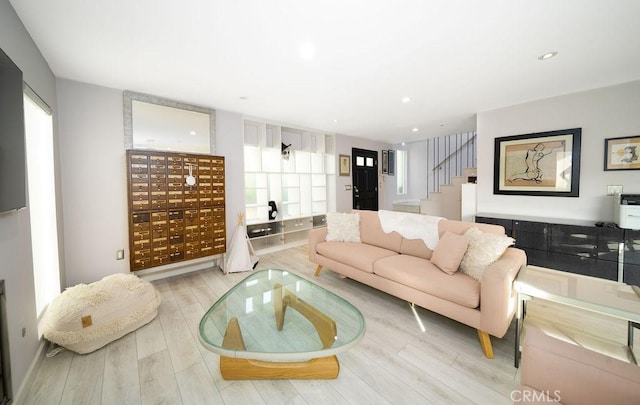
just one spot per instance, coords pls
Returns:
(192, 132)
(336, 121)
(415, 129)
(547, 55)
(307, 50)
(406, 99)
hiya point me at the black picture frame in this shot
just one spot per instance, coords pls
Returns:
(622, 153)
(538, 164)
(385, 162)
(392, 162)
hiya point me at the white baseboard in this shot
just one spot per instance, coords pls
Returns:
(278, 248)
(179, 268)
(23, 390)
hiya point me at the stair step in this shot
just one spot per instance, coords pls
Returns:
(469, 171)
(447, 202)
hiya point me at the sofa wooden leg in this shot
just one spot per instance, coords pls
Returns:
(318, 270)
(485, 343)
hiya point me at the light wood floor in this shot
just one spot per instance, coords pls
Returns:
(164, 363)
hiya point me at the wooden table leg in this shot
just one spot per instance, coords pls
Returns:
(325, 326)
(247, 369)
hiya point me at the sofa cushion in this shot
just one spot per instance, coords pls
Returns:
(424, 276)
(343, 227)
(415, 247)
(371, 232)
(484, 248)
(358, 255)
(449, 252)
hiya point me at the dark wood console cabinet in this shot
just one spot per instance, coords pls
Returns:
(169, 220)
(574, 246)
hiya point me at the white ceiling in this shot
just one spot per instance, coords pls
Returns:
(453, 58)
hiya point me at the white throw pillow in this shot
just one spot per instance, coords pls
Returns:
(484, 248)
(343, 227)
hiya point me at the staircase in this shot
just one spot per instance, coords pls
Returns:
(454, 160)
(448, 201)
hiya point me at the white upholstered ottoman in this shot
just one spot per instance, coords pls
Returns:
(86, 317)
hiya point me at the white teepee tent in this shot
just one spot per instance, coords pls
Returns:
(241, 256)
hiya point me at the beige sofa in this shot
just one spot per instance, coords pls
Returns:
(402, 267)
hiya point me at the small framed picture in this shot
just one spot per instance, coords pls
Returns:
(345, 165)
(622, 153)
(385, 161)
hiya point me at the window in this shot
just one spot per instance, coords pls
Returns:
(401, 162)
(42, 200)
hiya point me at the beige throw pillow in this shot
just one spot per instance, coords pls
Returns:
(449, 252)
(343, 227)
(484, 248)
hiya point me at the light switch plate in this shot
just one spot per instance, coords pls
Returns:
(614, 190)
(120, 254)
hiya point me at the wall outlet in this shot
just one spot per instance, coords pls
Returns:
(614, 190)
(120, 254)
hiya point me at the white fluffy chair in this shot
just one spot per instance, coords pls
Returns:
(86, 317)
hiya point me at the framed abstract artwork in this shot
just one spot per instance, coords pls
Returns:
(345, 165)
(543, 164)
(622, 153)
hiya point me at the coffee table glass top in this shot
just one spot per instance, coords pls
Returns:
(314, 322)
(596, 294)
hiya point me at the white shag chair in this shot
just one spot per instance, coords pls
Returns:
(86, 317)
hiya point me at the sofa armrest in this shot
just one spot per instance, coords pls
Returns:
(316, 235)
(497, 296)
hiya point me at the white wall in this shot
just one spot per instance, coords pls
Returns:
(94, 177)
(602, 113)
(416, 172)
(16, 266)
(230, 143)
(95, 184)
(94, 180)
(344, 200)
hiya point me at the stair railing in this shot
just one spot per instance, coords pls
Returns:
(459, 151)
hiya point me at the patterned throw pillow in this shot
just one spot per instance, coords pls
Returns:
(343, 227)
(484, 248)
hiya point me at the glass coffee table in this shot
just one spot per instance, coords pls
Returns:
(275, 324)
(590, 293)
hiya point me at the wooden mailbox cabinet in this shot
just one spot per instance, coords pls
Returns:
(169, 219)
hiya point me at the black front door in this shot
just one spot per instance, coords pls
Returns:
(364, 167)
